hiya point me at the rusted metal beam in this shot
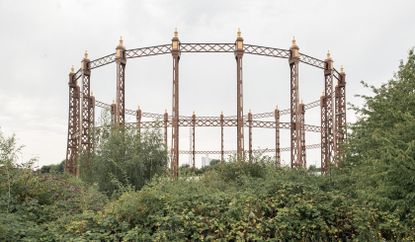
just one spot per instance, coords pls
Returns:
(73, 125)
(221, 138)
(302, 155)
(165, 123)
(277, 137)
(294, 60)
(86, 120)
(250, 135)
(121, 61)
(329, 119)
(193, 141)
(175, 51)
(340, 104)
(239, 51)
(324, 164)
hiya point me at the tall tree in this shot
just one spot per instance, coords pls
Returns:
(381, 149)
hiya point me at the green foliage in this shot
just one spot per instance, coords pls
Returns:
(260, 203)
(381, 149)
(54, 168)
(125, 158)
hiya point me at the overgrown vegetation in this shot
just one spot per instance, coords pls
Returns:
(370, 197)
(124, 158)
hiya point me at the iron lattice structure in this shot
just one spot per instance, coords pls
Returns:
(332, 106)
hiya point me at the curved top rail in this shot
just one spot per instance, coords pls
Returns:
(266, 51)
(148, 51)
(206, 48)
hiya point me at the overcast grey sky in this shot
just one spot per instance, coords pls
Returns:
(40, 40)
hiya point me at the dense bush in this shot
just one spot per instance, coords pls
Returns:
(260, 203)
(124, 157)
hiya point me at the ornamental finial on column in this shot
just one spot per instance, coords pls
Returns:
(86, 54)
(341, 69)
(72, 71)
(294, 44)
(176, 34)
(328, 58)
(121, 43)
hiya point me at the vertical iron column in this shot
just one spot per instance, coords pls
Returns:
(138, 118)
(166, 121)
(301, 113)
(250, 135)
(328, 92)
(175, 51)
(86, 111)
(336, 121)
(340, 114)
(92, 117)
(323, 147)
(73, 125)
(78, 126)
(239, 51)
(193, 140)
(221, 138)
(294, 60)
(113, 114)
(120, 61)
(277, 137)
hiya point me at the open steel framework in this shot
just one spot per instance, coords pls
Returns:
(332, 105)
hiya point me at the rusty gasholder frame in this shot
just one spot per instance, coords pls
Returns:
(332, 106)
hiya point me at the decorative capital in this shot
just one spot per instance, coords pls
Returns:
(85, 64)
(175, 43)
(295, 50)
(239, 41)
